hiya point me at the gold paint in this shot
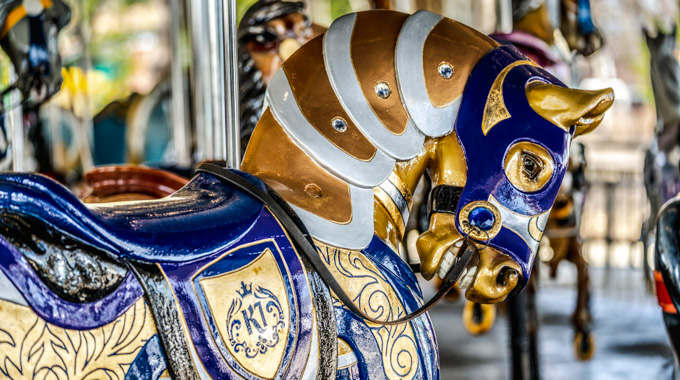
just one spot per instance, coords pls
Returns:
(402, 187)
(518, 176)
(565, 107)
(488, 316)
(495, 110)
(343, 348)
(383, 226)
(288, 47)
(373, 295)
(458, 44)
(221, 293)
(537, 23)
(384, 200)
(477, 233)
(31, 348)
(485, 287)
(274, 158)
(408, 174)
(374, 41)
(435, 242)
(447, 165)
(314, 95)
(534, 230)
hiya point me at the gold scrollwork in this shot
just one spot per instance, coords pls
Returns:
(31, 348)
(374, 296)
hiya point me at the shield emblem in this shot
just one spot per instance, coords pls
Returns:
(247, 301)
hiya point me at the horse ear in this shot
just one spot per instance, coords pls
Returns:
(565, 107)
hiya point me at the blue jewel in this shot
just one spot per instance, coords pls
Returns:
(482, 218)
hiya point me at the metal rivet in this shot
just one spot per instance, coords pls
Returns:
(382, 89)
(339, 124)
(313, 190)
(445, 70)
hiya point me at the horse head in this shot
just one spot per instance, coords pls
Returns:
(355, 117)
(28, 34)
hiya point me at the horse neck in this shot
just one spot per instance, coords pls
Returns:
(389, 223)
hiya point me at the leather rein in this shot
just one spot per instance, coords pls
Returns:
(301, 238)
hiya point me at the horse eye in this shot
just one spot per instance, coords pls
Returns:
(531, 165)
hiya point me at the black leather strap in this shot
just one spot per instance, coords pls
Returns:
(304, 244)
(444, 198)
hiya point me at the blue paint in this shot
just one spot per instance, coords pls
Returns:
(485, 154)
(149, 363)
(357, 334)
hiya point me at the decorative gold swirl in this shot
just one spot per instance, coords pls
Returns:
(31, 348)
(374, 296)
(495, 110)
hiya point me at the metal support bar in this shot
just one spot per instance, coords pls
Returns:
(180, 126)
(232, 141)
(16, 126)
(217, 77)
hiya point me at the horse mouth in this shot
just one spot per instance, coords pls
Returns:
(489, 276)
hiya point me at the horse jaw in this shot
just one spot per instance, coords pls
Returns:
(493, 274)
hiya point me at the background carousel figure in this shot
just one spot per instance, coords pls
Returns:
(28, 35)
(269, 32)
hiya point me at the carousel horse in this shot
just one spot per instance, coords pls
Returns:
(536, 35)
(662, 183)
(562, 231)
(667, 269)
(662, 159)
(28, 35)
(269, 32)
(289, 268)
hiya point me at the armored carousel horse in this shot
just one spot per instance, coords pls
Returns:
(289, 268)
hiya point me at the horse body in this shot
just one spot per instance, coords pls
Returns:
(229, 292)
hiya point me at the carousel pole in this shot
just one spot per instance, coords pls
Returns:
(179, 121)
(16, 126)
(200, 79)
(217, 75)
(232, 133)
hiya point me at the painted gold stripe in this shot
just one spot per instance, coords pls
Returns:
(392, 210)
(495, 110)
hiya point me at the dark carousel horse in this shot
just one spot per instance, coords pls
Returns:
(661, 165)
(231, 276)
(662, 184)
(667, 268)
(28, 35)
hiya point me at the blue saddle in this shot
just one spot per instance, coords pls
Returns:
(203, 217)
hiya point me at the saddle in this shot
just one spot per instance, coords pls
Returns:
(185, 226)
(82, 266)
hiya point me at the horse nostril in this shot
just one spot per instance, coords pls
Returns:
(507, 276)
